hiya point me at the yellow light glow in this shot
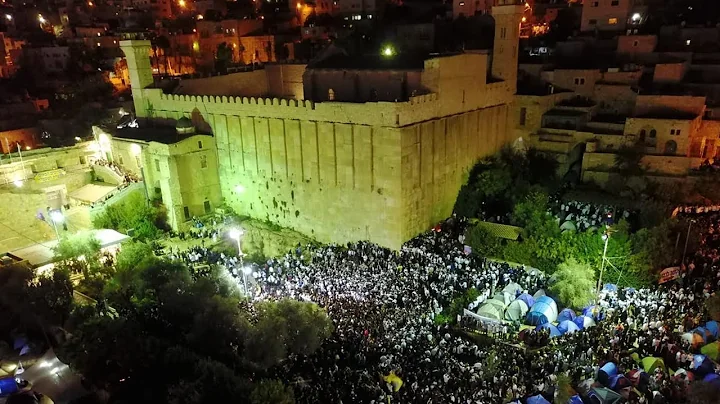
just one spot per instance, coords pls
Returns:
(196, 46)
(90, 3)
(182, 3)
(298, 6)
(41, 19)
(524, 19)
(135, 149)
(388, 51)
(200, 17)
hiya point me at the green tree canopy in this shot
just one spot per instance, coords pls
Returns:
(574, 283)
(133, 213)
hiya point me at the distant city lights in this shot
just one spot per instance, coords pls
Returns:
(388, 51)
(8, 17)
(41, 19)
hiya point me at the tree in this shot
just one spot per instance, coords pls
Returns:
(272, 392)
(133, 214)
(574, 283)
(80, 254)
(223, 57)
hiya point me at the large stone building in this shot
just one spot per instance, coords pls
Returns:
(373, 152)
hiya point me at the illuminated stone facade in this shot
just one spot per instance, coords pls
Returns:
(346, 171)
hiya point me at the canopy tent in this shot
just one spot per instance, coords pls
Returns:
(539, 294)
(504, 298)
(566, 314)
(711, 350)
(539, 399)
(495, 303)
(513, 289)
(491, 311)
(714, 328)
(603, 395)
(549, 301)
(568, 327)
(702, 366)
(516, 310)
(529, 300)
(606, 372)
(584, 322)
(536, 318)
(593, 311)
(554, 332)
(651, 363)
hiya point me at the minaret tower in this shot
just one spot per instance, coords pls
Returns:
(507, 15)
(137, 54)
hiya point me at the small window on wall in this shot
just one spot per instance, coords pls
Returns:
(203, 161)
(677, 132)
(653, 133)
(199, 144)
(208, 209)
(157, 165)
(331, 95)
(523, 116)
(612, 21)
(592, 21)
(615, 3)
(672, 131)
(186, 211)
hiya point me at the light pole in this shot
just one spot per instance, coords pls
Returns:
(687, 239)
(246, 271)
(606, 237)
(56, 217)
(236, 234)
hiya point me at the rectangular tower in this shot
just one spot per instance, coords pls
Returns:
(507, 15)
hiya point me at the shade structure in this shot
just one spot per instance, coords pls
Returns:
(491, 311)
(711, 350)
(539, 293)
(714, 328)
(610, 287)
(606, 372)
(539, 399)
(702, 366)
(517, 310)
(566, 314)
(603, 395)
(651, 363)
(513, 289)
(567, 327)
(504, 298)
(529, 300)
(584, 322)
(554, 332)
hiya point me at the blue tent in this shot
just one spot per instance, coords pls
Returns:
(606, 372)
(547, 310)
(575, 400)
(610, 287)
(554, 332)
(630, 290)
(567, 327)
(539, 399)
(593, 311)
(529, 300)
(8, 386)
(714, 328)
(536, 318)
(566, 314)
(702, 366)
(713, 379)
(704, 333)
(584, 322)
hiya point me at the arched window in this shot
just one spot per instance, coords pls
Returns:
(331, 95)
(653, 133)
(670, 147)
(642, 135)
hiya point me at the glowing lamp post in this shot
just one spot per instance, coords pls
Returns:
(246, 271)
(606, 237)
(56, 218)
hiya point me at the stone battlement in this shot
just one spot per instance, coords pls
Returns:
(420, 99)
(204, 99)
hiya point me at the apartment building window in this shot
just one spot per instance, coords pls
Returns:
(208, 209)
(523, 116)
(579, 80)
(592, 21)
(157, 165)
(612, 21)
(199, 144)
(203, 161)
(594, 4)
(503, 33)
(672, 131)
(653, 133)
(643, 134)
(615, 3)
(186, 211)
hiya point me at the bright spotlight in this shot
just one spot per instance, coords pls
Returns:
(239, 189)
(8, 17)
(247, 270)
(135, 149)
(636, 17)
(388, 51)
(57, 216)
(77, 138)
(235, 233)
(18, 183)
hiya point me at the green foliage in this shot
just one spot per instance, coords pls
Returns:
(272, 392)
(564, 389)
(499, 181)
(132, 254)
(574, 283)
(483, 243)
(456, 306)
(80, 254)
(133, 214)
(184, 339)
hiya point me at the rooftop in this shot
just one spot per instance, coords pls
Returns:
(371, 62)
(668, 114)
(166, 134)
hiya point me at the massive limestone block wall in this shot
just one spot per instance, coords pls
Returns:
(345, 172)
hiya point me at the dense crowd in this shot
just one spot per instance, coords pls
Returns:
(384, 306)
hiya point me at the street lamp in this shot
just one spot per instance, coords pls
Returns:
(246, 271)
(236, 234)
(56, 217)
(687, 239)
(606, 237)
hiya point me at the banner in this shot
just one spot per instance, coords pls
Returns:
(669, 274)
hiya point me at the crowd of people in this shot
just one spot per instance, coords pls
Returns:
(385, 304)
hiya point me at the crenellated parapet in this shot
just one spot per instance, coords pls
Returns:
(231, 101)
